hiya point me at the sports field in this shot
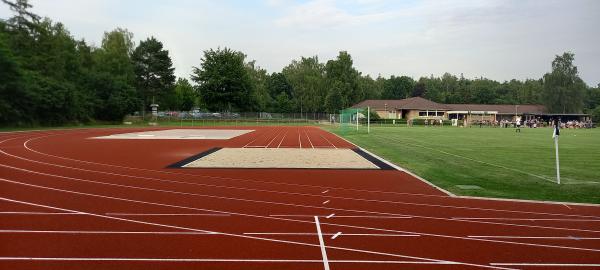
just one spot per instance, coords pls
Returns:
(498, 162)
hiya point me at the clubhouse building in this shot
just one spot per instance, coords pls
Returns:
(420, 108)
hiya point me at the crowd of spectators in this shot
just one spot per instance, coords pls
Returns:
(531, 123)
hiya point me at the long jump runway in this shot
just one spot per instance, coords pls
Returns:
(69, 201)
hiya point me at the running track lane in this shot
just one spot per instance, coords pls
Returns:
(71, 203)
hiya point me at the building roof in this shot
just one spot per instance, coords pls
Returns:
(419, 103)
(414, 103)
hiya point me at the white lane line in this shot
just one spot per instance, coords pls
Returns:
(283, 138)
(566, 206)
(25, 144)
(327, 141)
(276, 135)
(533, 219)
(214, 260)
(246, 145)
(165, 214)
(326, 202)
(36, 213)
(534, 237)
(325, 191)
(268, 182)
(205, 231)
(322, 244)
(311, 144)
(343, 216)
(102, 232)
(241, 214)
(331, 234)
(549, 264)
(336, 235)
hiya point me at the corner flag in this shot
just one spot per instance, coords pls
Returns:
(555, 135)
(556, 129)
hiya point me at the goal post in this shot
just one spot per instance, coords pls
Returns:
(355, 120)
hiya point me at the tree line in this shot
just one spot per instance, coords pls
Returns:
(48, 77)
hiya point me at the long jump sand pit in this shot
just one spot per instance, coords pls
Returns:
(181, 134)
(282, 158)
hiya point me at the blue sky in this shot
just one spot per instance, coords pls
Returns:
(496, 39)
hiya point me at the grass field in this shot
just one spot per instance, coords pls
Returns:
(503, 163)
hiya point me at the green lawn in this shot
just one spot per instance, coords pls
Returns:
(503, 163)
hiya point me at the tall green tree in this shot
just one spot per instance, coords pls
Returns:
(154, 72)
(308, 84)
(563, 89)
(341, 73)
(223, 80)
(186, 95)
(397, 87)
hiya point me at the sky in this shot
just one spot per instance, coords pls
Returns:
(496, 39)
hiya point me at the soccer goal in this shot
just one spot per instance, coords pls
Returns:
(356, 120)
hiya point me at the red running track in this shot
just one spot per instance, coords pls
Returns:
(70, 202)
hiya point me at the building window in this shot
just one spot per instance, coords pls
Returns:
(423, 113)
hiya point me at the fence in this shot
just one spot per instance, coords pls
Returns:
(175, 118)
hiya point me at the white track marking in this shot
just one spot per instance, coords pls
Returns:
(328, 141)
(327, 234)
(322, 244)
(236, 235)
(133, 187)
(326, 202)
(429, 234)
(566, 206)
(342, 216)
(299, 140)
(336, 235)
(309, 141)
(25, 144)
(257, 216)
(256, 138)
(532, 219)
(291, 193)
(166, 214)
(213, 260)
(35, 213)
(325, 191)
(549, 264)
(535, 237)
(275, 137)
(283, 138)
(101, 232)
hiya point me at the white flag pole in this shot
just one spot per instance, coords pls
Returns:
(557, 163)
(368, 120)
(555, 135)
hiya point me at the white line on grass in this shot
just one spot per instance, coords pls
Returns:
(322, 244)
